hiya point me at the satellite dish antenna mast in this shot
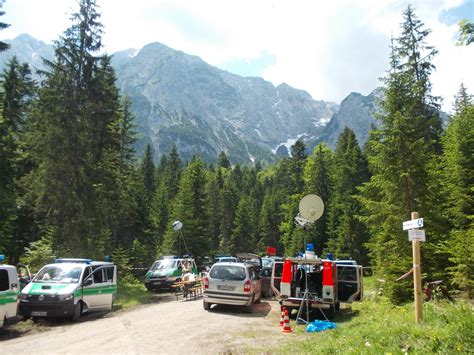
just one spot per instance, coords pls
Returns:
(177, 226)
(311, 209)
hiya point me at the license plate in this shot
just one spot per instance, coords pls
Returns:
(157, 283)
(39, 314)
(225, 287)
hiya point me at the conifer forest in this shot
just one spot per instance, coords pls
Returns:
(72, 185)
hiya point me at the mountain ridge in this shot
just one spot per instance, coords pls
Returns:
(180, 99)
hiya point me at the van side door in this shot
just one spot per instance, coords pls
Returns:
(100, 293)
(349, 282)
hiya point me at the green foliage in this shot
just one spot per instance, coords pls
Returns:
(347, 235)
(318, 178)
(457, 176)
(401, 152)
(466, 32)
(40, 252)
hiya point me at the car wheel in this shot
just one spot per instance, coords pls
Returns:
(270, 293)
(206, 305)
(249, 308)
(76, 314)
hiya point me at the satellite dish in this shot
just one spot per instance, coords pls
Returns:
(177, 225)
(311, 207)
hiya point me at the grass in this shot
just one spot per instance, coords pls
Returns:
(132, 292)
(376, 326)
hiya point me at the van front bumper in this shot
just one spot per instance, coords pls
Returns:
(45, 308)
(158, 284)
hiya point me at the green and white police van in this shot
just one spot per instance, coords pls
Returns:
(68, 288)
(9, 289)
(166, 271)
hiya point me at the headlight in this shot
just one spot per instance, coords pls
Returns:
(23, 296)
(66, 297)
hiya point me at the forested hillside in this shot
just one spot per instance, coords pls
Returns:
(71, 185)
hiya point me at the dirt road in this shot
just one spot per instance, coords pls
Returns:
(167, 326)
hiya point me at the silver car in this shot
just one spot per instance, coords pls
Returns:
(234, 284)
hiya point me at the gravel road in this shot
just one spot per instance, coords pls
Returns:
(168, 326)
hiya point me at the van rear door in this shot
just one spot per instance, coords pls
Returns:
(349, 282)
(276, 277)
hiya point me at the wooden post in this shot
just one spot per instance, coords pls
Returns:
(417, 275)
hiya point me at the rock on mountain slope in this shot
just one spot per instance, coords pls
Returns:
(179, 99)
(356, 112)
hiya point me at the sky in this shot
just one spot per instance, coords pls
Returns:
(328, 48)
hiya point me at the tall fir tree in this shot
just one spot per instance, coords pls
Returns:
(347, 235)
(16, 223)
(74, 140)
(457, 171)
(191, 208)
(318, 181)
(401, 150)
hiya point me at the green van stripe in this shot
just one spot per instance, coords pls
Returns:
(8, 297)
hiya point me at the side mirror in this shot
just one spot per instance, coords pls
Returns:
(87, 282)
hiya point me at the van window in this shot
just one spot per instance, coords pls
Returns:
(346, 273)
(4, 282)
(99, 277)
(110, 273)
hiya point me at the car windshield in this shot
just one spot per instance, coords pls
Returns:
(163, 265)
(267, 262)
(228, 272)
(60, 273)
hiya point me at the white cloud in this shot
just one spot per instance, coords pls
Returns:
(328, 48)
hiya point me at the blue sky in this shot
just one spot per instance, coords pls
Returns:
(328, 48)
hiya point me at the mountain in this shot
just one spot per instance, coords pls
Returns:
(28, 50)
(179, 99)
(356, 112)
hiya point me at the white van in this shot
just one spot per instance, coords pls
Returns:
(70, 287)
(9, 289)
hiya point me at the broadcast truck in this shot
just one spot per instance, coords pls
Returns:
(327, 283)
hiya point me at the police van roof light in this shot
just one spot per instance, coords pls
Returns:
(72, 260)
(2, 257)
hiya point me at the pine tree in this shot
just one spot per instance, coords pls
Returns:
(16, 224)
(347, 235)
(318, 181)
(148, 172)
(75, 144)
(401, 151)
(191, 208)
(457, 183)
(244, 234)
(222, 161)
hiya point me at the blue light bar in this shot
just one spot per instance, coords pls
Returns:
(2, 257)
(73, 260)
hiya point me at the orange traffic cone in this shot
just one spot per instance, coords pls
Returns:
(282, 316)
(286, 326)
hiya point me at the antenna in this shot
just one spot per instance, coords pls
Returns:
(311, 209)
(177, 225)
